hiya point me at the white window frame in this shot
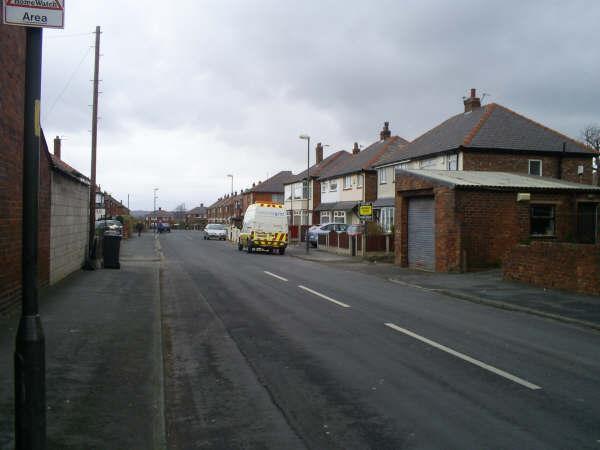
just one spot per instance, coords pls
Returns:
(288, 191)
(323, 187)
(348, 182)
(386, 218)
(337, 215)
(325, 215)
(529, 167)
(452, 162)
(383, 175)
(426, 163)
(332, 185)
(359, 180)
(298, 191)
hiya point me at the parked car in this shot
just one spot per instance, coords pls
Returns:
(355, 230)
(314, 233)
(215, 231)
(164, 227)
(109, 226)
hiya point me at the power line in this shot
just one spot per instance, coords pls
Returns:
(68, 35)
(68, 83)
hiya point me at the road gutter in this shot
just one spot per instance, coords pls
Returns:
(160, 436)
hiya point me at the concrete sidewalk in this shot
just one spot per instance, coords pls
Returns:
(103, 357)
(486, 287)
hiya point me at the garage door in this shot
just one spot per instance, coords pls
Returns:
(421, 233)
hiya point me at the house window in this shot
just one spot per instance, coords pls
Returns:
(325, 218)
(535, 167)
(323, 187)
(386, 218)
(452, 162)
(348, 182)
(304, 218)
(427, 163)
(382, 176)
(333, 185)
(339, 216)
(297, 191)
(305, 189)
(275, 198)
(359, 180)
(288, 192)
(542, 220)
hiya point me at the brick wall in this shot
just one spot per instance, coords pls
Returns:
(519, 163)
(557, 265)
(69, 226)
(12, 86)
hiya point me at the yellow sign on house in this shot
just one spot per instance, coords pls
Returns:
(365, 210)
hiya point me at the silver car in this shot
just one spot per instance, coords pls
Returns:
(215, 231)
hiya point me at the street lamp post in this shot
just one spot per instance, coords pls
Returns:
(307, 137)
(154, 212)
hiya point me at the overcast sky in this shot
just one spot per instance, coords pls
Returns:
(195, 90)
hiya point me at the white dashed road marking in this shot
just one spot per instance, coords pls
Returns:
(464, 357)
(343, 305)
(275, 276)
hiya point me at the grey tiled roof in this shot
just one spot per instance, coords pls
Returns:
(506, 180)
(274, 183)
(317, 169)
(364, 160)
(492, 126)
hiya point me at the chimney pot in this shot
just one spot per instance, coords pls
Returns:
(57, 143)
(319, 153)
(385, 133)
(472, 102)
(355, 149)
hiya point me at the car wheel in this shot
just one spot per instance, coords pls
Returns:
(282, 250)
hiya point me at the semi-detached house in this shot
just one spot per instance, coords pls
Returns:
(486, 138)
(300, 206)
(353, 181)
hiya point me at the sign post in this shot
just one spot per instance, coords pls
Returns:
(30, 368)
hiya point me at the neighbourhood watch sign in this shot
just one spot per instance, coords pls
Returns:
(34, 13)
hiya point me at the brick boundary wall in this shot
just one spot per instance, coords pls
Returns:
(555, 265)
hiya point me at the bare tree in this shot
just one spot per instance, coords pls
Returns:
(180, 211)
(591, 136)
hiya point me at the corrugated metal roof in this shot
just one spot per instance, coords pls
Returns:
(506, 180)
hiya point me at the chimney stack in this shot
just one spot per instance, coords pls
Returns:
(355, 149)
(319, 153)
(57, 143)
(385, 133)
(472, 102)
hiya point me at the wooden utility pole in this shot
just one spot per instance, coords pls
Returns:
(94, 143)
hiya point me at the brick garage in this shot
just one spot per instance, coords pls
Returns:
(478, 220)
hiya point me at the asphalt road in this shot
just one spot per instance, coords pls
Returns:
(270, 351)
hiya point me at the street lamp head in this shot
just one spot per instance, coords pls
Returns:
(304, 136)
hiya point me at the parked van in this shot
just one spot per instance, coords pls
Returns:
(265, 226)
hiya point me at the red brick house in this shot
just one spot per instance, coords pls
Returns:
(490, 137)
(465, 220)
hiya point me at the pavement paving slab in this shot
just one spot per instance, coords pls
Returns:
(103, 364)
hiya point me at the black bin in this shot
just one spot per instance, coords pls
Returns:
(111, 244)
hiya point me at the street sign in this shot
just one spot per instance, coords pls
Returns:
(34, 13)
(365, 212)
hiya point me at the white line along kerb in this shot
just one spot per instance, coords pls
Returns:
(275, 276)
(464, 357)
(343, 305)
